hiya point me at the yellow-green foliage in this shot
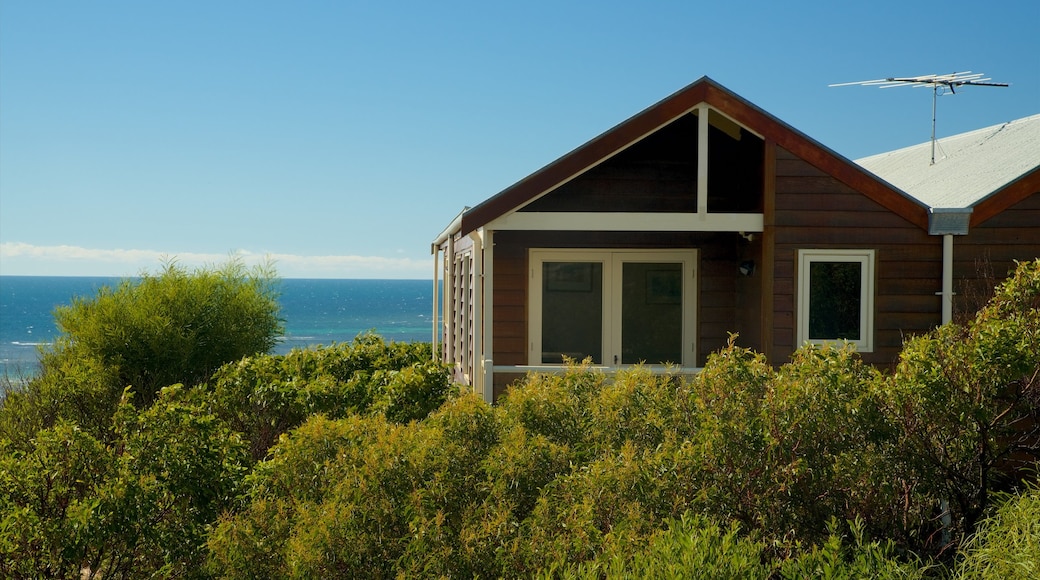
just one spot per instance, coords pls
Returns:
(367, 463)
(1007, 544)
(264, 396)
(174, 327)
(964, 400)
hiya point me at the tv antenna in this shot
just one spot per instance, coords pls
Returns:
(939, 83)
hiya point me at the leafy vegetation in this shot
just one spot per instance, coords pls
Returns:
(173, 327)
(364, 460)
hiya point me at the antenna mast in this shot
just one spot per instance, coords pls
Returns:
(936, 82)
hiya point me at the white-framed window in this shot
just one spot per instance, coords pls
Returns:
(619, 307)
(836, 297)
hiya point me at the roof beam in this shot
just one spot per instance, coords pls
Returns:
(629, 221)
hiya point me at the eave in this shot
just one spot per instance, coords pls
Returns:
(656, 116)
(1006, 197)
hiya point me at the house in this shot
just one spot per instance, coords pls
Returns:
(703, 216)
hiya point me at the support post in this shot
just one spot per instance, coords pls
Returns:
(449, 304)
(702, 161)
(488, 289)
(477, 360)
(436, 306)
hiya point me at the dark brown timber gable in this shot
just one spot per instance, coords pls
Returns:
(809, 198)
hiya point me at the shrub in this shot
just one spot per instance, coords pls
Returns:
(836, 557)
(140, 507)
(264, 396)
(1007, 543)
(965, 400)
(170, 328)
(556, 406)
(690, 547)
(45, 492)
(174, 327)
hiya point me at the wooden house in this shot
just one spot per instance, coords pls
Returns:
(703, 216)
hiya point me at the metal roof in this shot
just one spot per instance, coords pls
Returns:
(968, 167)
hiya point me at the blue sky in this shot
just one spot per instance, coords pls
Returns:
(339, 138)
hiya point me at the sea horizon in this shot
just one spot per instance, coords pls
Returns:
(317, 311)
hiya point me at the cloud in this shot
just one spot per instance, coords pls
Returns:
(17, 258)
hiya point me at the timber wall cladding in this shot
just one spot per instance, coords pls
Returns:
(718, 295)
(987, 254)
(814, 210)
(659, 174)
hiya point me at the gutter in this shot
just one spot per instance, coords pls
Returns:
(453, 227)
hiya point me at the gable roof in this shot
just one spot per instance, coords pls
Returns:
(704, 90)
(987, 169)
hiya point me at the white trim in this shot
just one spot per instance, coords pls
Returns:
(736, 122)
(449, 303)
(629, 222)
(523, 369)
(702, 160)
(866, 259)
(488, 289)
(476, 361)
(612, 261)
(448, 232)
(436, 307)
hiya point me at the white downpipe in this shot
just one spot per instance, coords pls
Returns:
(947, 279)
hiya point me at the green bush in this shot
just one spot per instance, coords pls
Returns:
(174, 327)
(264, 396)
(1007, 543)
(46, 487)
(80, 391)
(690, 547)
(362, 496)
(964, 401)
(137, 508)
(838, 558)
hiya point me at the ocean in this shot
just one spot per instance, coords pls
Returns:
(315, 312)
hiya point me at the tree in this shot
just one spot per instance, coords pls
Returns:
(174, 327)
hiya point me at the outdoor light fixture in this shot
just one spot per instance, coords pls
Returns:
(747, 267)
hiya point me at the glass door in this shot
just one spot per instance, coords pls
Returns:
(616, 307)
(651, 312)
(572, 311)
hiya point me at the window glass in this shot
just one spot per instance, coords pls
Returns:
(835, 290)
(651, 313)
(836, 297)
(617, 307)
(572, 311)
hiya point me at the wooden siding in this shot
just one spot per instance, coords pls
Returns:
(987, 254)
(656, 174)
(659, 174)
(727, 302)
(816, 211)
